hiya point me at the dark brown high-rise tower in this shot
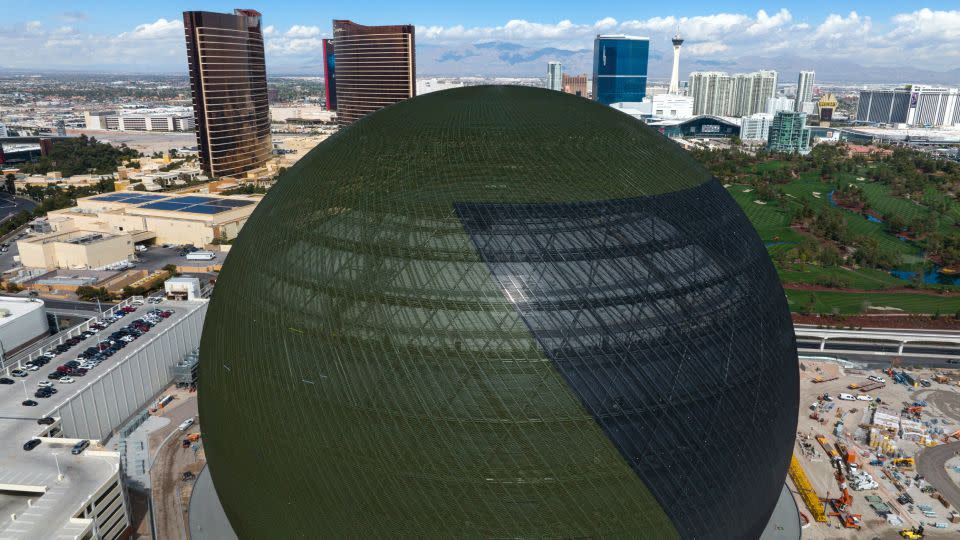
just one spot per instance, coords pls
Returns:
(376, 67)
(228, 78)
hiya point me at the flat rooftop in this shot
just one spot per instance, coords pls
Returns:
(54, 501)
(17, 307)
(189, 204)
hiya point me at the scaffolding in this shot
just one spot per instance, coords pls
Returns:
(809, 496)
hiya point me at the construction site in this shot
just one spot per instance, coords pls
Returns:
(876, 451)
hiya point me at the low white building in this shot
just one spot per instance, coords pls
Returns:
(659, 106)
(163, 119)
(182, 288)
(22, 320)
(755, 127)
(425, 86)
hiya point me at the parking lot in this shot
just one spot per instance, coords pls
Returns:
(40, 467)
(18, 386)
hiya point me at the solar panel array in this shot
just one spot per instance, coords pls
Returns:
(191, 203)
(129, 197)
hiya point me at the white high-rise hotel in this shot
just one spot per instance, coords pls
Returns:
(742, 94)
(555, 76)
(804, 90)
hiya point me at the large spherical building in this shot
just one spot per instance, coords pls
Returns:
(498, 312)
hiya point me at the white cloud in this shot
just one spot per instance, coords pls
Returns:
(765, 23)
(159, 29)
(923, 38)
(926, 24)
(298, 31)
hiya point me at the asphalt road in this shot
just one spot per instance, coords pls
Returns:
(837, 345)
(11, 206)
(874, 361)
(931, 464)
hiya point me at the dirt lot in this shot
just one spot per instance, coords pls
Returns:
(943, 410)
(170, 462)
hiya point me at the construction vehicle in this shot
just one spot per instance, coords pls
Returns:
(940, 378)
(912, 534)
(841, 504)
(905, 462)
(954, 435)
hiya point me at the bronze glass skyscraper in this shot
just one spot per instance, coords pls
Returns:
(229, 82)
(376, 67)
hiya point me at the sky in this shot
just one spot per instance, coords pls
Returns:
(500, 37)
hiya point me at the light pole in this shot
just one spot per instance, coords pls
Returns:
(57, 460)
(26, 395)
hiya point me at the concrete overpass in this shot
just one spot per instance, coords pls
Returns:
(894, 341)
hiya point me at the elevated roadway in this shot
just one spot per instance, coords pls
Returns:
(925, 347)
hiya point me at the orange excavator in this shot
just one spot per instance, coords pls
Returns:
(954, 435)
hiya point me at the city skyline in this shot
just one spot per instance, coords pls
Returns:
(737, 38)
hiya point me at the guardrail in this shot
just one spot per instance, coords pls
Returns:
(6, 364)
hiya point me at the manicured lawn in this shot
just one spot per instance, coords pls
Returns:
(863, 278)
(880, 199)
(769, 219)
(827, 302)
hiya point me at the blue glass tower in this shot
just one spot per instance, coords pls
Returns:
(620, 68)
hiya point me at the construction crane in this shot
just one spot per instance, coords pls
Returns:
(842, 504)
(806, 491)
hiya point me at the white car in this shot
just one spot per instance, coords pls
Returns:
(32, 367)
(185, 425)
(44, 384)
(874, 378)
(846, 397)
(865, 397)
(66, 380)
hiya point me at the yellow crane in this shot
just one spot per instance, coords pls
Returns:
(809, 496)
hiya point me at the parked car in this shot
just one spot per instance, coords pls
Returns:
(80, 447)
(31, 444)
(46, 420)
(44, 384)
(28, 403)
(67, 380)
(19, 373)
(875, 378)
(865, 397)
(4, 380)
(847, 397)
(185, 425)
